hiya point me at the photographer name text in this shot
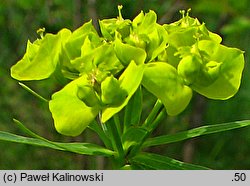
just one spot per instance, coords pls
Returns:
(52, 177)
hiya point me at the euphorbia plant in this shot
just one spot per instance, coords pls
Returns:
(104, 75)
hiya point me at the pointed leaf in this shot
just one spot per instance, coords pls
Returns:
(33, 92)
(158, 162)
(200, 131)
(79, 148)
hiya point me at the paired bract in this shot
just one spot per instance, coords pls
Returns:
(105, 70)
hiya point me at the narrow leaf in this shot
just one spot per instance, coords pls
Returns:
(158, 162)
(33, 92)
(209, 129)
(115, 138)
(97, 128)
(27, 131)
(73, 147)
(79, 148)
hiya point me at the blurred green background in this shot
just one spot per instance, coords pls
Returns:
(19, 20)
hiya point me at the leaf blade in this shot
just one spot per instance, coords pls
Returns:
(159, 162)
(79, 148)
(33, 92)
(209, 129)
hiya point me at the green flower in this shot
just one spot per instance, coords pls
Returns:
(103, 72)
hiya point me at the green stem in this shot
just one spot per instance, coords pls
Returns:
(157, 121)
(126, 121)
(118, 124)
(96, 128)
(104, 128)
(148, 122)
(150, 129)
(133, 110)
(116, 143)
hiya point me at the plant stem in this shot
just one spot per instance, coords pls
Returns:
(104, 128)
(150, 129)
(133, 110)
(116, 143)
(157, 120)
(118, 124)
(102, 135)
(157, 107)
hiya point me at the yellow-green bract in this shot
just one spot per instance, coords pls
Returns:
(104, 71)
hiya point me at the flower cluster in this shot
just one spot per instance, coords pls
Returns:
(104, 71)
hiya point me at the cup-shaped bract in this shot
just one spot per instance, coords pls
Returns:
(41, 57)
(162, 80)
(189, 68)
(104, 71)
(71, 115)
(129, 81)
(110, 27)
(224, 69)
(126, 53)
(111, 92)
